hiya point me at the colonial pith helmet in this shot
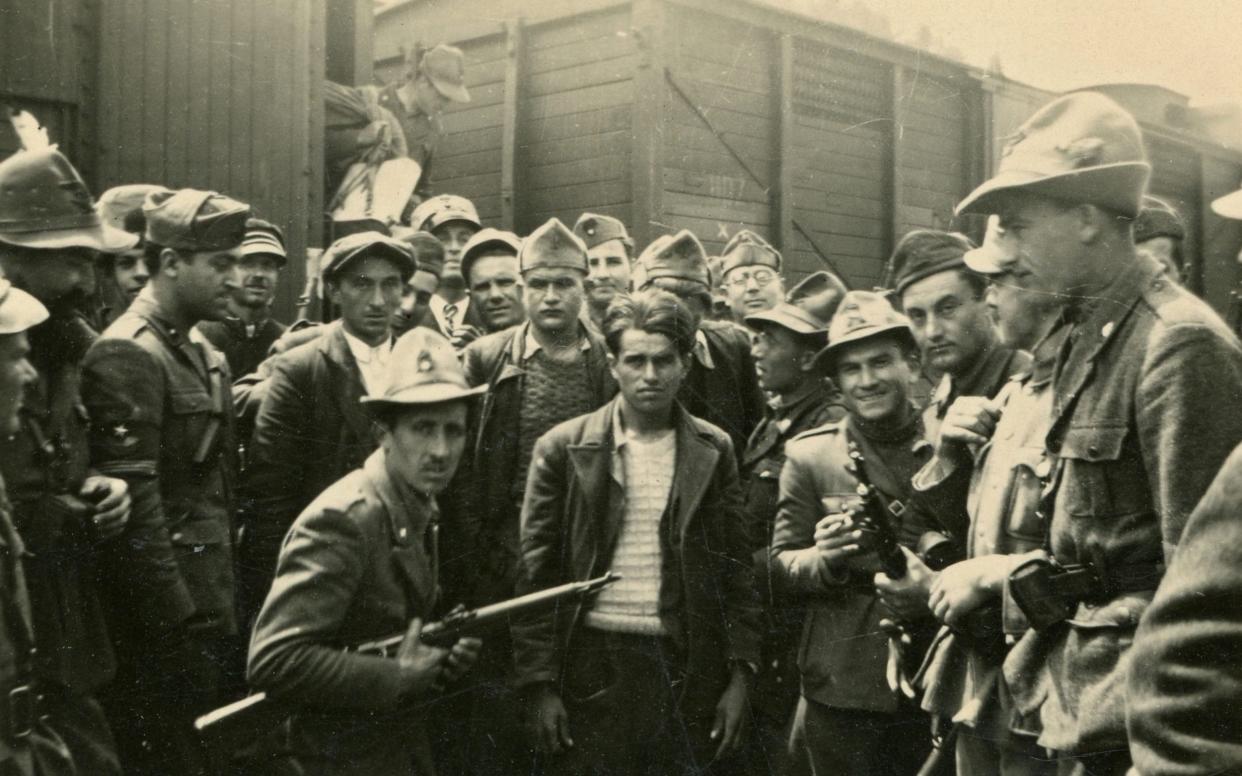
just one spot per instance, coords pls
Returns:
(552, 245)
(680, 256)
(45, 204)
(445, 67)
(424, 369)
(926, 252)
(863, 315)
(595, 229)
(441, 209)
(485, 240)
(747, 248)
(808, 307)
(19, 310)
(1082, 147)
(194, 220)
(1158, 219)
(346, 250)
(264, 238)
(994, 255)
(121, 206)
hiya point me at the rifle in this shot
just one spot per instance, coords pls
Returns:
(231, 727)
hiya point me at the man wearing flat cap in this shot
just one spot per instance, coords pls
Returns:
(490, 264)
(247, 333)
(453, 220)
(1136, 430)
(67, 508)
(162, 418)
(1159, 232)
(610, 253)
(787, 337)
(721, 387)
(361, 563)
(310, 429)
(539, 373)
(122, 275)
(750, 274)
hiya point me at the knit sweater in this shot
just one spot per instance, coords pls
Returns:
(553, 392)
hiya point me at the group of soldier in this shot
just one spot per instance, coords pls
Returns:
(959, 524)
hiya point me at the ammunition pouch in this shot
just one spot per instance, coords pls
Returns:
(1048, 592)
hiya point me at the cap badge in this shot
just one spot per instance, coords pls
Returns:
(425, 363)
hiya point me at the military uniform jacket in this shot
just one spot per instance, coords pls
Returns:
(162, 419)
(482, 531)
(721, 387)
(310, 431)
(571, 519)
(843, 654)
(1141, 422)
(357, 566)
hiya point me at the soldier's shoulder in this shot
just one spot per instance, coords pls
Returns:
(346, 499)
(1172, 307)
(127, 326)
(490, 346)
(823, 434)
(726, 330)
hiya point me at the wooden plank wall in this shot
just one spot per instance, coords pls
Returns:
(224, 95)
(934, 114)
(1176, 179)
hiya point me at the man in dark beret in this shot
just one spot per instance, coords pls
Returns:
(1159, 232)
(162, 419)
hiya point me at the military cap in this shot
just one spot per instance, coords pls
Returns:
(355, 246)
(428, 251)
(1229, 206)
(926, 252)
(594, 229)
(264, 239)
(1082, 147)
(19, 310)
(745, 249)
(45, 204)
(808, 307)
(484, 240)
(995, 255)
(680, 256)
(441, 209)
(861, 316)
(552, 245)
(424, 369)
(445, 67)
(1158, 218)
(194, 220)
(121, 206)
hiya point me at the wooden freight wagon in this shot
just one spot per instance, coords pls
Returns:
(723, 114)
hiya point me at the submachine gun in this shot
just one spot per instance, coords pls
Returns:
(232, 727)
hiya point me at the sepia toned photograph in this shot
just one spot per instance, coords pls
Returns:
(620, 388)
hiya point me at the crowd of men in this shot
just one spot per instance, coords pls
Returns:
(820, 569)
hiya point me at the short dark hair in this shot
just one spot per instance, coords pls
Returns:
(654, 311)
(151, 257)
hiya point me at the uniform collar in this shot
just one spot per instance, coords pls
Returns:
(985, 377)
(702, 352)
(531, 346)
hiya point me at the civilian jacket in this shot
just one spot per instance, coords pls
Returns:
(571, 519)
(310, 431)
(1141, 423)
(243, 352)
(162, 418)
(357, 566)
(726, 393)
(482, 533)
(843, 654)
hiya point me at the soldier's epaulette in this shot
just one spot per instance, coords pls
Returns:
(127, 327)
(831, 427)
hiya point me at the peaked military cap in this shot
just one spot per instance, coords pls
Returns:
(926, 252)
(441, 209)
(808, 307)
(121, 206)
(861, 316)
(594, 229)
(994, 255)
(484, 240)
(264, 239)
(552, 245)
(19, 310)
(428, 251)
(1158, 218)
(355, 246)
(445, 67)
(680, 256)
(747, 248)
(194, 220)
(1082, 147)
(45, 204)
(424, 369)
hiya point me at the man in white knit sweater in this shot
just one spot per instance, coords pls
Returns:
(651, 677)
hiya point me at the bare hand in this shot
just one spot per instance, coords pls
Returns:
(838, 542)
(969, 421)
(463, 336)
(731, 718)
(964, 587)
(461, 658)
(548, 722)
(421, 664)
(907, 597)
(110, 495)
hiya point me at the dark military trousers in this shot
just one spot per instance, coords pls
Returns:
(863, 743)
(80, 722)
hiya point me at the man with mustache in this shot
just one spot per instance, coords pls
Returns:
(490, 265)
(162, 418)
(67, 510)
(750, 274)
(245, 336)
(610, 252)
(853, 716)
(452, 220)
